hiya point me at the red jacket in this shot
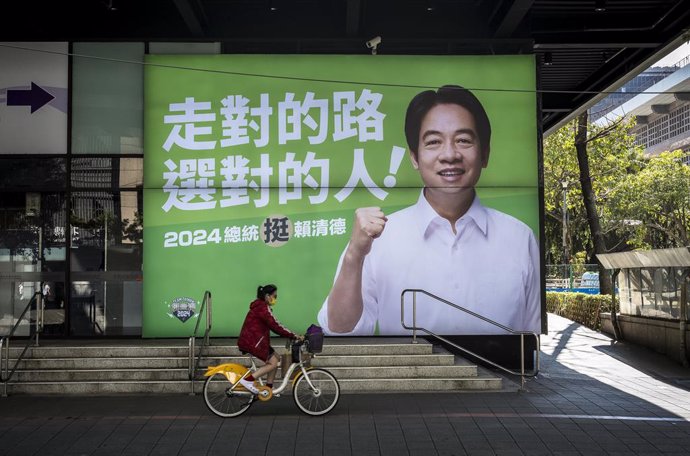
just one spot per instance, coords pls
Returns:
(255, 335)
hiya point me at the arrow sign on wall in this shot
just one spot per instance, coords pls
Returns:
(35, 97)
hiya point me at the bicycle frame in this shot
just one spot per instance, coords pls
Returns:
(287, 375)
(314, 390)
(235, 372)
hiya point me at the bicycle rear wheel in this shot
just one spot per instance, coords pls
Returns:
(223, 402)
(318, 400)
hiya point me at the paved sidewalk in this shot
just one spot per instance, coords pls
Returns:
(593, 397)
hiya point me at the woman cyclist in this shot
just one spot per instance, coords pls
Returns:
(255, 336)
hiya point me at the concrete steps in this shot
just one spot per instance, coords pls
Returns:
(363, 373)
(160, 366)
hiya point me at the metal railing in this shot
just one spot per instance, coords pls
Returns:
(682, 62)
(194, 361)
(5, 373)
(522, 334)
(93, 317)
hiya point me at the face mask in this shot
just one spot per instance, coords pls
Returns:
(272, 301)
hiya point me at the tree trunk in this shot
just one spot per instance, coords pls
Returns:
(589, 201)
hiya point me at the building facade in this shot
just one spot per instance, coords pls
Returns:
(659, 98)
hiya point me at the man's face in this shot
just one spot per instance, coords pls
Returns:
(449, 156)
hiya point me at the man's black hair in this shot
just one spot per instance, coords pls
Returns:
(423, 102)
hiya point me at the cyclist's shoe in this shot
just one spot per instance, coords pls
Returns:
(249, 386)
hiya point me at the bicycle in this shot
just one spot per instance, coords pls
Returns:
(315, 391)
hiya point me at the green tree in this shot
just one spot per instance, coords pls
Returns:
(611, 157)
(655, 202)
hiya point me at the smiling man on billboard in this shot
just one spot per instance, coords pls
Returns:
(448, 243)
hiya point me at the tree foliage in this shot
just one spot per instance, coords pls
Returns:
(613, 156)
(641, 202)
(655, 202)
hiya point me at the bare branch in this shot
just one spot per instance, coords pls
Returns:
(558, 217)
(668, 232)
(605, 132)
(615, 247)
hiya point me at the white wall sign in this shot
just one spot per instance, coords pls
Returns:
(33, 98)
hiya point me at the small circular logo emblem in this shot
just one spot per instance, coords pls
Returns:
(183, 308)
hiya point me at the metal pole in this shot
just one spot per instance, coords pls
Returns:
(190, 371)
(40, 315)
(522, 361)
(414, 317)
(4, 384)
(7, 362)
(105, 282)
(565, 221)
(39, 266)
(208, 319)
(614, 319)
(683, 317)
(2, 342)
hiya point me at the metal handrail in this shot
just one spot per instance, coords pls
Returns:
(5, 340)
(194, 364)
(522, 334)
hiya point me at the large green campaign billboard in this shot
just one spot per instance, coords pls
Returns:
(254, 166)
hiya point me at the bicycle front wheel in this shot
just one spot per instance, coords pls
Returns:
(321, 396)
(222, 401)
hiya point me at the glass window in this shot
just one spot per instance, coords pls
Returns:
(101, 307)
(107, 98)
(32, 231)
(651, 292)
(647, 288)
(38, 173)
(107, 172)
(32, 255)
(625, 292)
(106, 260)
(106, 231)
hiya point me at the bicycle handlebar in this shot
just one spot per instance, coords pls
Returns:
(290, 342)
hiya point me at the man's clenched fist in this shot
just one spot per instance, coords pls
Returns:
(368, 225)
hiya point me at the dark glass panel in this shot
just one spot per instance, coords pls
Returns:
(39, 173)
(106, 231)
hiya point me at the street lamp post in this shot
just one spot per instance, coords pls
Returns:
(564, 184)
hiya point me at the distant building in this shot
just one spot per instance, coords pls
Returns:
(639, 83)
(660, 101)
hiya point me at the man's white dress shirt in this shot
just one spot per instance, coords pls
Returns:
(489, 266)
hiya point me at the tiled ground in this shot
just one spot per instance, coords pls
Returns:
(592, 397)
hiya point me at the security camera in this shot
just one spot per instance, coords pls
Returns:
(372, 43)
